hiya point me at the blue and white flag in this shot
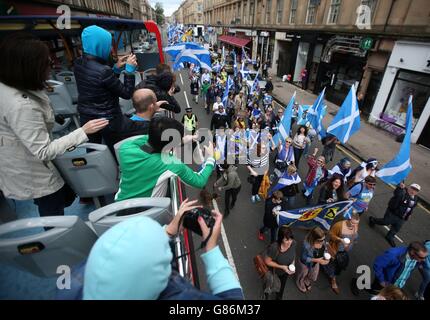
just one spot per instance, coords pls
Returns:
(199, 58)
(286, 180)
(347, 120)
(316, 114)
(228, 86)
(223, 56)
(285, 123)
(255, 85)
(322, 215)
(398, 169)
(235, 63)
(174, 50)
(302, 115)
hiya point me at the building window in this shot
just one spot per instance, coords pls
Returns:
(311, 13)
(279, 10)
(268, 9)
(334, 11)
(407, 83)
(293, 11)
(371, 4)
(251, 10)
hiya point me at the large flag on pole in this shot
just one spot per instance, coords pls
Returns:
(228, 86)
(199, 58)
(398, 169)
(255, 86)
(347, 120)
(316, 114)
(176, 49)
(285, 123)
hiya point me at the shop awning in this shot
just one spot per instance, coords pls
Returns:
(234, 41)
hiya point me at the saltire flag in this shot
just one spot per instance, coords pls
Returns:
(174, 50)
(316, 114)
(255, 85)
(228, 86)
(235, 63)
(286, 180)
(398, 169)
(347, 120)
(321, 216)
(285, 123)
(245, 56)
(302, 115)
(217, 67)
(199, 58)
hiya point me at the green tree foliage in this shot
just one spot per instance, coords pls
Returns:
(159, 13)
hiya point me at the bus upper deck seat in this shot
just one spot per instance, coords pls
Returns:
(118, 145)
(156, 208)
(68, 78)
(90, 175)
(68, 243)
(61, 101)
(127, 105)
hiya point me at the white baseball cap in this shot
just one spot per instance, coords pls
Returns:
(416, 186)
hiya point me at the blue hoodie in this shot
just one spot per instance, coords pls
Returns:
(97, 42)
(131, 261)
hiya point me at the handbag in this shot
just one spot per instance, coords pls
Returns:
(260, 265)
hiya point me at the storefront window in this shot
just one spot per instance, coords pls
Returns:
(407, 83)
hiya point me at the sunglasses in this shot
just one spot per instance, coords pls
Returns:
(371, 184)
(320, 240)
(416, 256)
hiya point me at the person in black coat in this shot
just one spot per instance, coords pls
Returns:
(400, 208)
(98, 85)
(269, 85)
(269, 220)
(219, 119)
(164, 87)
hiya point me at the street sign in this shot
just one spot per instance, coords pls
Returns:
(366, 43)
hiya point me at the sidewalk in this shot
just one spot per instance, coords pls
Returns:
(369, 142)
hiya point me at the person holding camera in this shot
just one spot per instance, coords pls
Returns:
(147, 162)
(98, 85)
(132, 261)
(230, 182)
(163, 83)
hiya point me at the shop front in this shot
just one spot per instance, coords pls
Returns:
(408, 73)
(342, 65)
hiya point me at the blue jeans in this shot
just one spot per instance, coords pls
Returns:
(426, 280)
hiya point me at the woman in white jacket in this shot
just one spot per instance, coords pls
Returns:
(26, 121)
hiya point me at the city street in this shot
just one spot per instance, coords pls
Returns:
(246, 218)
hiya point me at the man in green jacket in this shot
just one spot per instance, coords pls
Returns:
(146, 165)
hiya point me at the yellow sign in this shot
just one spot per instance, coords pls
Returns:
(331, 213)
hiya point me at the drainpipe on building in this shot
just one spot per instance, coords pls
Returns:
(389, 14)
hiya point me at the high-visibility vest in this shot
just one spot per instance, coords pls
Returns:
(190, 123)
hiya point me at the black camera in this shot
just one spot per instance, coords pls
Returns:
(190, 219)
(177, 89)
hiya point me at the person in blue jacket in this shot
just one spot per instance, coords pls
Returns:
(98, 84)
(424, 268)
(395, 265)
(132, 261)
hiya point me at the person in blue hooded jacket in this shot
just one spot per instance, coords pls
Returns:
(99, 86)
(132, 261)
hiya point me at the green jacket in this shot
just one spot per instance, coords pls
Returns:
(147, 175)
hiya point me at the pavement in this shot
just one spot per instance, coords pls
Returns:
(245, 219)
(369, 142)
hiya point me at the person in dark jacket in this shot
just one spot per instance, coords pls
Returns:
(98, 87)
(269, 85)
(146, 105)
(230, 182)
(164, 86)
(269, 220)
(395, 265)
(399, 210)
(332, 191)
(210, 98)
(219, 119)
